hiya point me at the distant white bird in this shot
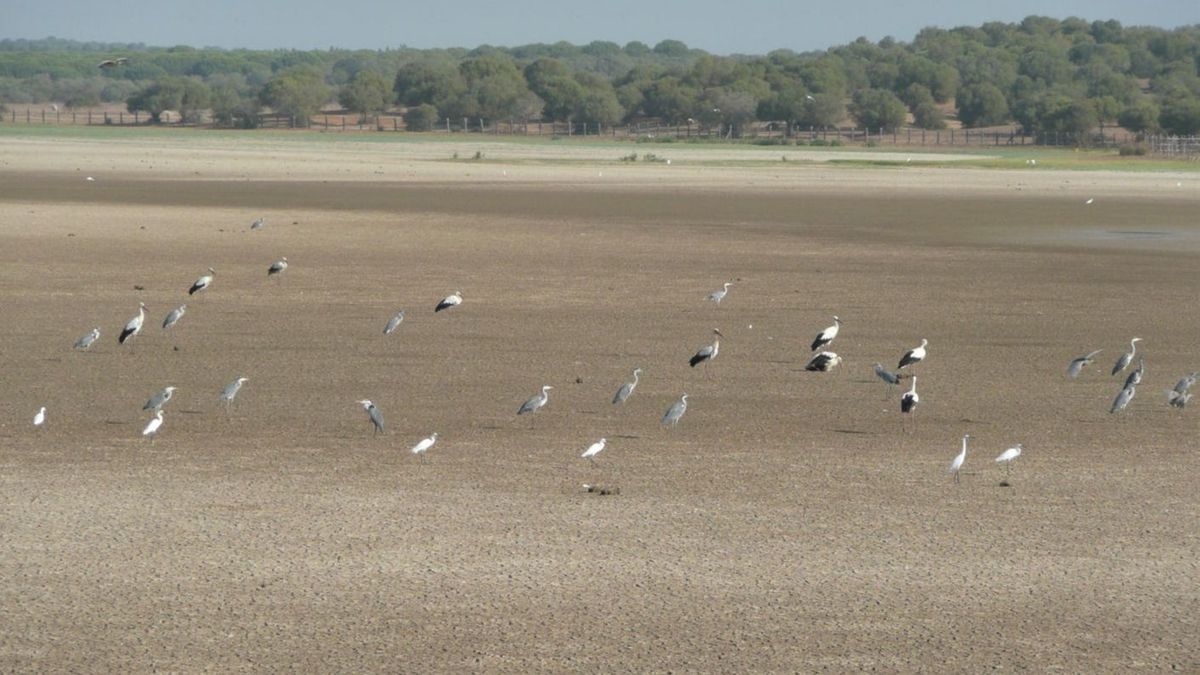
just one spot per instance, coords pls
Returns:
(914, 355)
(174, 316)
(826, 336)
(40, 418)
(134, 325)
(676, 411)
(374, 414)
(718, 295)
(160, 399)
(231, 391)
(957, 464)
(1125, 359)
(1078, 364)
(593, 450)
(1122, 400)
(152, 428)
(1135, 377)
(910, 399)
(823, 362)
(203, 282)
(536, 402)
(393, 323)
(1006, 458)
(707, 352)
(278, 267)
(453, 300)
(85, 342)
(421, 448)
(809, 97)
(626, 389)
(90, 179)
(1090, 200)
(258, 223)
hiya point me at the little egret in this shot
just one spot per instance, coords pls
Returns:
(203, 282)
(593, 450)
(826, 336)
(1006, 458)
(1078, 364)
(956, 465)
(40, 418)
(152, 428)
(1125, 359)
(914, 355)
(421, 448)
(626, 389)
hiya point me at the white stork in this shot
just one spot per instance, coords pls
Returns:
(453, 300)
(826, 336)
(203, 282)
(914, 355)
(134, 325)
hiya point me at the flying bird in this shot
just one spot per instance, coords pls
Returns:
(718, 295)
(1077, 365)
(160, 399)
(421, 448)
(1006, 458)
(231, 391)
(155, 424)
(85, 342)
(956, 465)
(536, 402)
(453, 300)
(676, 411)
(910, 399)
(707, 352)
(40, 418)
(278, 267)
(174, 316)
(593, 450)
(1122, 400)
(1125, 359)
(112, 63)
(374, 414)
(823, 362)
(826, 336)
(626, 389)
(203, 282)
(134, 325)
(914, 355)
(393, 323)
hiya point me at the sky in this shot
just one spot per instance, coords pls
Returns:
(718, 26)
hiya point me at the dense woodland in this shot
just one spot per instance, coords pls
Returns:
(1042, 74)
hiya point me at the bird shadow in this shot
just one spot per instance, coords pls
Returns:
(852, 431)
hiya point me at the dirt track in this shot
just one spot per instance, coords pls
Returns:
(790, 522)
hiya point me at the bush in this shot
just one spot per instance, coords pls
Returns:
(421, 117)
(1132, 150)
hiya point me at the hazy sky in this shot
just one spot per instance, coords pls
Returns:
(719, 26)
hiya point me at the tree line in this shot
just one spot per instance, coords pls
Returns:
(1043, 74)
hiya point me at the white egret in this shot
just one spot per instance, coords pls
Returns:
(957, 464)
(153, 426)
(421, 448)
(40, 418)
(1006, 458)
(593, 450)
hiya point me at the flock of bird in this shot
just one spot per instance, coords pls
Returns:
(821, 360)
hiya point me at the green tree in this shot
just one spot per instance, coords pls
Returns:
(877, 108)
(1140, 117)
(421, 118)
(297, 92)
(981, 105)
(368, 92)
(184, 94)
(823, 111)
(927, 115)
(1180, 115)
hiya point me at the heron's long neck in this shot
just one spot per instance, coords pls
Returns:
(1132, 347)
(635, 378)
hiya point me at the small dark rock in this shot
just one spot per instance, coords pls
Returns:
(138, 288)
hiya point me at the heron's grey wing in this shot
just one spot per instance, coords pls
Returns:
(529, 406)
(623, 393)
(377, 418)
(1076, 366)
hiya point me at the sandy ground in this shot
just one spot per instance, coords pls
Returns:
(791, 522)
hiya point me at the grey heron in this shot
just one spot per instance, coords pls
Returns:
(1177, 399)
(708, 352)
(421, 448)
(393, 323)
(374, 414)
(826, 336)
(258, 224)
(40, 418)
(626, 389)
(914, 355)
(134, 325)
(174, 316)
(1186, 383)
(910, 399)
(593, 450)
(676, 411)
(888, 376)
(1122, 400)
(453, 300)
(1135, 377)
(536, 402)
(718, 295)
(957, 464)
(153, 426)
(231, 391)
(823, 362)
(1078, 364)
(203, 282)
(278, 267)
(1006, 458)
(160, 399)
(85, 342)
(1125, 359)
